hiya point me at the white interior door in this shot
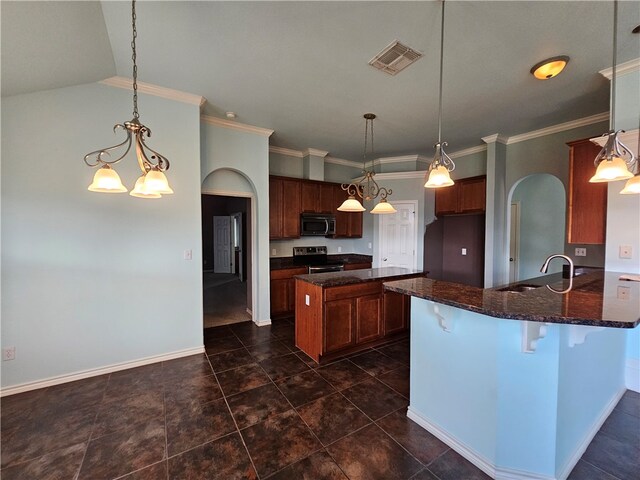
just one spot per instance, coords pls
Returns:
(222, 246)
(397, 237)
(514, 242)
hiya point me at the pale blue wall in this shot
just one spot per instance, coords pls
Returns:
(285, 165)
(336, 173)
(90, 280)
(247, 154)
(542, 223)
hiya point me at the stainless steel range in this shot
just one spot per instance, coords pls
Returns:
(316, 259)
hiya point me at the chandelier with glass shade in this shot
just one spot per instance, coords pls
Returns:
(152, 183)
(367, 188)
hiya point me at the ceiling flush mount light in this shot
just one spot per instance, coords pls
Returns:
(153, 182)
(438, 173)
(615, 161)
(366, 188)
(550, 67)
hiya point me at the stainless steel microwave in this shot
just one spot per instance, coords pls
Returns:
(317, 224)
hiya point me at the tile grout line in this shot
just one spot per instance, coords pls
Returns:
(598, 468)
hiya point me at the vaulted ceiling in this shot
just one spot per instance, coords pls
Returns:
(301, 68)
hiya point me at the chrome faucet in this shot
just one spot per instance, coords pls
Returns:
(545, 267)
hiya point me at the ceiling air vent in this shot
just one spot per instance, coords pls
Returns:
(394, 58)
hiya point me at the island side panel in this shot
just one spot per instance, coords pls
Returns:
(309, 319)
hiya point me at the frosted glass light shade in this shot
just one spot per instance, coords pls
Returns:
(107, 180)
(141, 191)
(351, 205)
(439, 177)
(156, 181)
(611, 171)
(549, 68)
(383, 207)
(632, 186)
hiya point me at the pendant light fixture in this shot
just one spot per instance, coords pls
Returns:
(153, 182)
(438, 173)
(366, 188)
(550, 67)
(615, 161)
(633, 184)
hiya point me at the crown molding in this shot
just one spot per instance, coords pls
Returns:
(341, 161)
(315, 152)
(561, 127)
(285, 151)
(622, 68)
(629, 138)
(221, 122)
(397, 175)
(495, 138)
(156, 90)
(468, 151)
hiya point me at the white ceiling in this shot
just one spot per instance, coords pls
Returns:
(301, 69)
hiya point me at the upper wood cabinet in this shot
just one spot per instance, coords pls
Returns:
(467, 195)
(587, 212)
(275, 208)
(284, 208)
(310, 197)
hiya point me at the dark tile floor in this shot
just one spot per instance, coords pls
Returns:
(256, 407)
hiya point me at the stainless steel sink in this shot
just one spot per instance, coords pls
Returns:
(523, 287)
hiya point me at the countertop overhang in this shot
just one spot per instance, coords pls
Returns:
(351, 277)
(596, 299)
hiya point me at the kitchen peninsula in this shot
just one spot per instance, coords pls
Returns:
(342, 312)
(519, 381)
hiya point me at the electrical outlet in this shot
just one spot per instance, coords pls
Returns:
(369, 245)
(339, 249)
(273, 252)
(464, 251)
(625, 251)
(581, 252)
(8, 353)
(306, 300)
(623, 293)
(188, 254)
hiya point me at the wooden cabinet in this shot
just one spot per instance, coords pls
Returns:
(396, 312)
(289, 197)
(283, 291)
(284, 208)
(368, 318)
(465, 196)
(357, 266)
(339, 331)
(587, 209)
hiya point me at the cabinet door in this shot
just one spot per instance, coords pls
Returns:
(291, 295)
(327, 202)
(310, 202)
(472, 194)
(290, 209)
(280, 296)
(587, 213)
(368, 318)
(355, 225)
(339, 324)
(396, 310)
(275, 208)
(447, 200)
(342, 218)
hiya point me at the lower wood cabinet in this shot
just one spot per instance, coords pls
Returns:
(396, 312)
(339, 332)
(357, 266)
(283, 291)
(368, 318)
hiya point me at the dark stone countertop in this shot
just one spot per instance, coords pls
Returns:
(594, 299)
(282, 263)
(351, 277)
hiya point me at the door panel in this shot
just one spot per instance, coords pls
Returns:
(395, 312)
(222, 244)
(368, 318)
(398, 237)
(339, 320)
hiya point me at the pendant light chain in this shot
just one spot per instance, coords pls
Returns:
(612, 119)
(134, 57)
(441, 64)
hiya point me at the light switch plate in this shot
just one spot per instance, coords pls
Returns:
(188, 254)
(464, 251)
(625, 251)
(306, 300)
(581, 252)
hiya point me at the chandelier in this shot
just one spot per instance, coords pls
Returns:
(438, 173)
(615, 161)
(153, 182)
(367, 188)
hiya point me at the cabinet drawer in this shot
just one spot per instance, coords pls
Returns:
(288, 273)
(350, 291)
(357, 266)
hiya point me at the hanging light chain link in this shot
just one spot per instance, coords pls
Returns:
(133, 57)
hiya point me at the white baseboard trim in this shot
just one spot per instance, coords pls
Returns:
(478, 460)
(93, 372)
(632, 374)
(582, 447)
(262, 323)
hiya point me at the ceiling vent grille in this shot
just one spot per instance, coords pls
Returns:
(394, 58)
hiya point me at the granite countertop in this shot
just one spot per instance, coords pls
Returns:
(282, 263)
(350, 277)
(594, 300)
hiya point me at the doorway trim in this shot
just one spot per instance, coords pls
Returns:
(414, 203)
(514, 231)
(254, 226)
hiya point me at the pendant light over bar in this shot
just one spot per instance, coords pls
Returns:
(438, 173)
(615, 161)
(366, 188)
(153, 182)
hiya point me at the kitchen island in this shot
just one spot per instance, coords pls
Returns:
(343, 312)
(519, 382)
